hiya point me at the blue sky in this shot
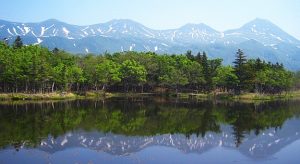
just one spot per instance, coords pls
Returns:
(158, 14)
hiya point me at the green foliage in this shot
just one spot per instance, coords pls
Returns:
(108, 73)
(225, 78)
(132, 72)
(34, 69)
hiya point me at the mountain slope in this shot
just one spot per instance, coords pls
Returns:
(258, 38)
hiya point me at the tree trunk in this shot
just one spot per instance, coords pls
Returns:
(26, 87)
(103, 89)
(77, 86)
(52, 87)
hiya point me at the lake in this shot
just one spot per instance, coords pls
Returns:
(149, 130)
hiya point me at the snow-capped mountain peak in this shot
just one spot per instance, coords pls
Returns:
(259, 38)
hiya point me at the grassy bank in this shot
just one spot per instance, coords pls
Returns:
(38, 96)
(101, 95)
(247, 96)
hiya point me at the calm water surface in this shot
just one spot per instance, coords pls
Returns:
(150, 130)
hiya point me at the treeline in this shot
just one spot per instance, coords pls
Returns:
(34, 69)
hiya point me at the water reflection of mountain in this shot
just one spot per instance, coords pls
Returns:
(124, 127)
(265, 144)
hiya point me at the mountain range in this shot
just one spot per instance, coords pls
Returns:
(258, 38)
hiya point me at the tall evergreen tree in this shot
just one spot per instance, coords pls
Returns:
(239, 68)
(18, 43)
(206, 72)
(189, 55)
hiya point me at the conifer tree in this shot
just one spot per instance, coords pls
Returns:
(239, 68)
(18, 43)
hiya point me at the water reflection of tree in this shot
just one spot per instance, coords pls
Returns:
(145, 118)
(246, 118)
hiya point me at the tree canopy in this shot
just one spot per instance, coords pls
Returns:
(33, 68)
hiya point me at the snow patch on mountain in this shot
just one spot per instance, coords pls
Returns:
(42, 31)
(27, 29)
(32, 32)
(164, 44)
(39, 41)
(110, 29)
(15, 31)
(119, 34)
(21, 30)
(8, 30)
(66, 31)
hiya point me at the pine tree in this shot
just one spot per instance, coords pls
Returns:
(189, 55)
(206, 72)
(239, 68)
(18, 43)
(55, 51)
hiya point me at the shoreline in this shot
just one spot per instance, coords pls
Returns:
(100, 95)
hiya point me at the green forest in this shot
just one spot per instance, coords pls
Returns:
(36, 69)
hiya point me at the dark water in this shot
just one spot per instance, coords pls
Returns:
(152, 130)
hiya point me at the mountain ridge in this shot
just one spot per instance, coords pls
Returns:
(260, 37)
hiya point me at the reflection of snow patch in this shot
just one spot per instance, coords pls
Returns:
(145, 144)
(220, 143)
(86, 50)
(43, 143)
(171, 140)
(108, 145)
(64, 142)
(252, 148)
(276, 141)
(91, 142)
